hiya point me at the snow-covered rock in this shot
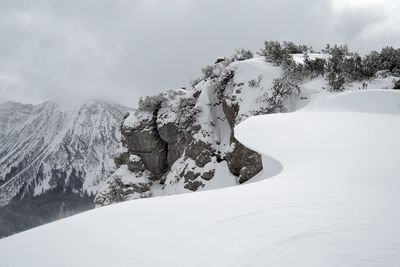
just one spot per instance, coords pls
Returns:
(184, 135)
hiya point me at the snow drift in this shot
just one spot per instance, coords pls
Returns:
(333, 203)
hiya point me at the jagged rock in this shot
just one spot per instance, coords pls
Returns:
(135, 164)
(200, 152)
(194, 185)
(143, 138)
(203, 158)
(208, 175)
(191, 176)
(124, 185)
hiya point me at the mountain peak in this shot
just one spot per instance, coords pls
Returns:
(43, 146)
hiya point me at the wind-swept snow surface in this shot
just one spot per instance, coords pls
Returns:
(335, 202)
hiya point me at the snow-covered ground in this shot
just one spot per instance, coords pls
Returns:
(332, 200)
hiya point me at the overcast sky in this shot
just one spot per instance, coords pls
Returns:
(119, 50)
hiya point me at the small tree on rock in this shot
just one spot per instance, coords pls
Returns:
(282, 89)
(242, 54)
(151, 103)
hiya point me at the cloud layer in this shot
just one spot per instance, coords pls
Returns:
(120, 50)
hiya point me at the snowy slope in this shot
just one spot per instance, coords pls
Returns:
(332, 202)
(47, 146)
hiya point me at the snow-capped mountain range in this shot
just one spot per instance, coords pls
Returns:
(49, 146)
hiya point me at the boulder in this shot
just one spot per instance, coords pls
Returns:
(193, 185)
(243, 162)
(208, 175)
(169, 132)
(135, 164)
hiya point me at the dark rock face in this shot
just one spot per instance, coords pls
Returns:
(144, 140)
(243, 162)
(169, 133)
(155, 162)
(231, 112)
(175, 151)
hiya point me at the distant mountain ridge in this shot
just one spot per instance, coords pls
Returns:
(49, 147)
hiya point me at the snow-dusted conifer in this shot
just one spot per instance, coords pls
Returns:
(242, 54)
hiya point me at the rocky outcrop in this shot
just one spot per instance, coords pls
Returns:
(144, 140)
(180, 140)
(125, 185)
(242, 162)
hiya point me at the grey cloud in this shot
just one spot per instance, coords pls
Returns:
(352, 22)
(119, 50)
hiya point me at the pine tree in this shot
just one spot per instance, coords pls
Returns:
(336, 66)
(336, 81)
(282, 89)
(274, 53)
(396, 84)
(242, 54)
